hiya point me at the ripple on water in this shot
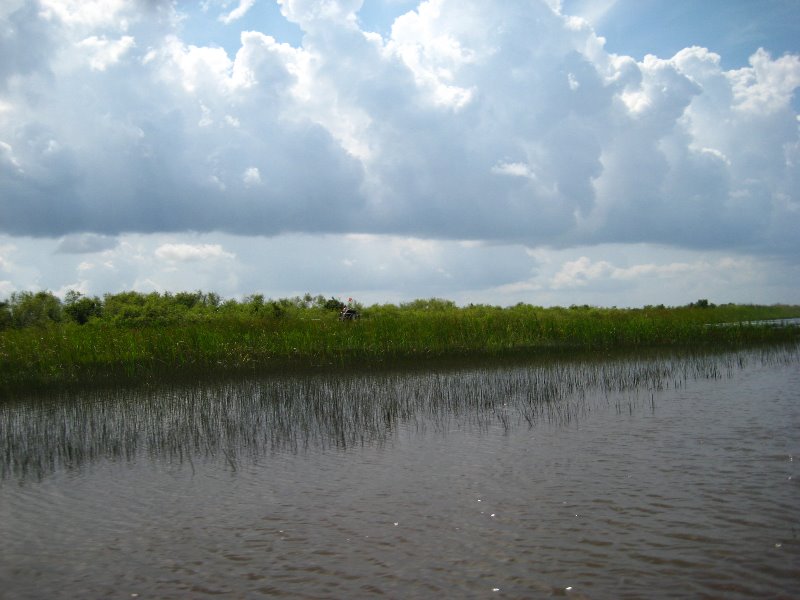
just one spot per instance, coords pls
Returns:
(682, 491)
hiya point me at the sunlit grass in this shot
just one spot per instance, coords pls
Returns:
(68, 352)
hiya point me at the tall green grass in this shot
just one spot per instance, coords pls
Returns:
(105, 349)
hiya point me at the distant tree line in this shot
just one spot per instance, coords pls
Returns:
(132, 309)
(27, 309)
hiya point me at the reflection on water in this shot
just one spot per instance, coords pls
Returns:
(666, 475)
(247, 419)
(789, 322)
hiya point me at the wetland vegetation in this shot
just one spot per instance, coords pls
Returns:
(46, 341)
(609, 473)
(235, 422)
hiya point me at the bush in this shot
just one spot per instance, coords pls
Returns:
(80, 309)
(188, 299)
(430, 304)
(333, 304)
(135, 309)
(5, 315)
(38, 309)
(702, 303)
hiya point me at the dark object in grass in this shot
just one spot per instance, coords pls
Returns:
(349, 314)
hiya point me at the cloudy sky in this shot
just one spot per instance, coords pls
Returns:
(609, 152)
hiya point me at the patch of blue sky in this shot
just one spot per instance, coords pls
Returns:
(378, 15)
(203, 25)
(734, 29)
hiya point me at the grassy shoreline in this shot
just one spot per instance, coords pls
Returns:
(214, 341)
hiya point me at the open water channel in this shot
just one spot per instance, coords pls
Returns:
(648, 477)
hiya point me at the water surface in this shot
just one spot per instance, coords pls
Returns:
(653, 477)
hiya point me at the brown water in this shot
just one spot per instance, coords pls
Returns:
(667, 477)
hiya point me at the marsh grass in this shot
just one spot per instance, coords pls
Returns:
(63, 353)
(240, 422)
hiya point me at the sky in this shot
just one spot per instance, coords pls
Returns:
(603, 152)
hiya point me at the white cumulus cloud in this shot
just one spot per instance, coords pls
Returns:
(238, 12)
(93, 13)
(252, 176)
(103, 52)
(191, 252)
(767, 85)
(584, 271)
(508, 123)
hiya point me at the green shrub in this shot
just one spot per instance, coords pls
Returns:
(80, 309)
(5, 315)
(39, 309)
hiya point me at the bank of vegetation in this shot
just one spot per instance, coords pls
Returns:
(47, 341)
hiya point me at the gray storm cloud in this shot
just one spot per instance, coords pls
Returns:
(506, 123)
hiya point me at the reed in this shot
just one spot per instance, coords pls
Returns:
(238, 420)
(110, 348)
